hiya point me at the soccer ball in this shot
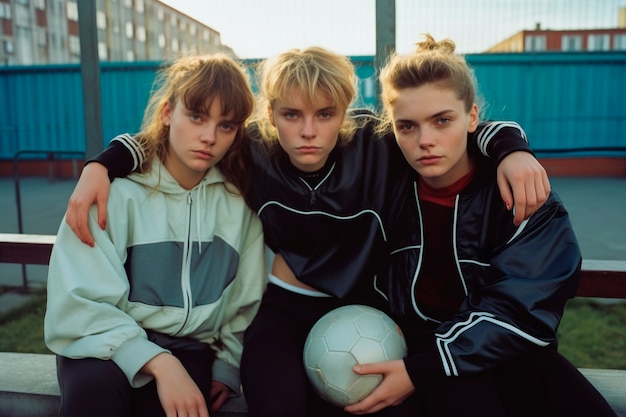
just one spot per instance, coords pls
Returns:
(342, 338)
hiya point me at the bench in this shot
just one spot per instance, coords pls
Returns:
(28, 384)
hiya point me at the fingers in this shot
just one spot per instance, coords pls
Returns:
(383, 395)
(101, 203)
(185, 409)
(184, 412)
(217, 401)
(170, 411)
(545, 182)
(536, 191)
(77, 219)
(505, 191)
(395, 387)
(369, 368)
(523, 184)
(92, 187)
(370, 404)
(219, 395)
(525, 200)
(183, 404)
(81, 228)
(542, 186)
(178, 393)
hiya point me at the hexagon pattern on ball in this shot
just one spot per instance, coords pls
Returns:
(342, 338)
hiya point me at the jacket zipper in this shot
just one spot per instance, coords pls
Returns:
(419, 262)
(186, 266)
(313, 190)
(454, 243)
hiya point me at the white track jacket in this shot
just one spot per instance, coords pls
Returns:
(186, 263)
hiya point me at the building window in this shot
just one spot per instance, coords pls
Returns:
(139, 6)
(101, 20)
(128, 3)
(42, 39)
(600, 42)
(619, 42)
(74, 43)
(40, 4)
(141, 34)
(175, 45)
(130, 56)
(8, 47)
(130, 32)
(103, 53)
(571, 43)
(161, 40)
(5, 10)
(72, 10)
(535, 43)
(160, 14)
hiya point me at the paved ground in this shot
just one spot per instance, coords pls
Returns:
(597, 207)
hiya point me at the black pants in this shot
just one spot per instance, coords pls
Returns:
(272, 371)
(272, 374)
(542, 383)
(94, 387)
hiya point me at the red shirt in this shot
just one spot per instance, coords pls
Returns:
(439, 291)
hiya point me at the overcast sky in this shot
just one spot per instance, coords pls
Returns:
(262, 28)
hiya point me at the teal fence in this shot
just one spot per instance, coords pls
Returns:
(566, 102)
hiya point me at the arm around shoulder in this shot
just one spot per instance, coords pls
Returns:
(84, 283)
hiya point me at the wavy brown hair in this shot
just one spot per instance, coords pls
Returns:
(197, 80)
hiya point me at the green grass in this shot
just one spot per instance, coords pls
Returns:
(21, 329)
(592, 334)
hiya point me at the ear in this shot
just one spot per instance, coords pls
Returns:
(270, 114)
(166, 113)
(473, 119)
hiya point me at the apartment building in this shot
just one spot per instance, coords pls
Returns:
(34, 32)
(539, 39)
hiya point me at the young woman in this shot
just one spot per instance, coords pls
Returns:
(479, 299)
(326, 188)
(149, 321)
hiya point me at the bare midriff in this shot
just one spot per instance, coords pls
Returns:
(281, 270)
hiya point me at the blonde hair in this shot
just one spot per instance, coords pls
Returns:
(432, 62)
(312, 71)
(196, 81)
